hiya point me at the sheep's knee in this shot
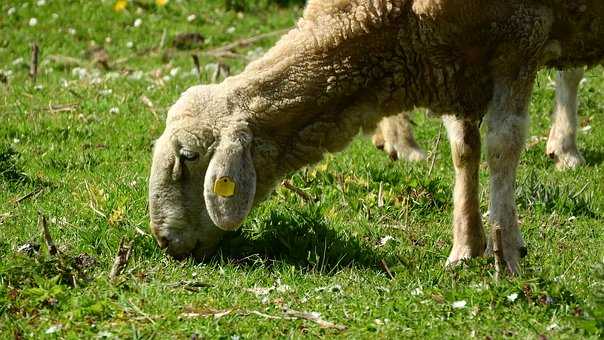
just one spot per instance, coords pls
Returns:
(562, 141)
(468, 235)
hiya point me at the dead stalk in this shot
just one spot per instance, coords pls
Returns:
(197, 66)
(386, 269)
(498, 252)
(434, 150)
(50, 245)
(33, 67)
(121, 259)
(288, 185)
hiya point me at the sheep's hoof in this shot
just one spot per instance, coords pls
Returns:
(461, 253)
(567, 160)
(404, 152)
(513, 250)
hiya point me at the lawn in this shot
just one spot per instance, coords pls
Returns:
(75, 147)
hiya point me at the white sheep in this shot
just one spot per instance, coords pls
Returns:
(347, 64)
(394, 134)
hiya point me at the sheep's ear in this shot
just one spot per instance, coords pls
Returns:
(230, 181)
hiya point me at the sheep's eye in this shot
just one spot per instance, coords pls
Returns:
(189, 155)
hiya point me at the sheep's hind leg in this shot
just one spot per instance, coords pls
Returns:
(507, 124)
(562, 142)
(394, 135)
(468, 235)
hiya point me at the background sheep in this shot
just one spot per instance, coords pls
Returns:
(346, 65)
(394, 134)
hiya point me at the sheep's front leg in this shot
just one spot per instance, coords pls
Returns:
(562, 142)
(507, 124)
(468, 234)
(394, 135)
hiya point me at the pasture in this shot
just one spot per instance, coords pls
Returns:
(359, 255)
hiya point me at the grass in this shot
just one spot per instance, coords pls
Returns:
(76, 147)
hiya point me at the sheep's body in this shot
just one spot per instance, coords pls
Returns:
(394, 134)
(346, 65)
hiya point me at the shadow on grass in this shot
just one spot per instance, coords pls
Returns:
(533, 193)
(12, 174)
(302, 238)
(593, 157)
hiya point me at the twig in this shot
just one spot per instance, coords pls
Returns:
(266, 316)
(380, 198)
(314, 317)
(246, 41)
(52, 249)
(121, 259)
(61, 108)
(65, 61)
(33, 67)
(221, 70)
(434, 150)
(28, 195)
(288, 185)
(224, 54)
(139, 311)
(197, 67)
(498, 252)
(162, 41)
(386, 269)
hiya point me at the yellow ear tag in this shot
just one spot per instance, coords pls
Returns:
(224, 187)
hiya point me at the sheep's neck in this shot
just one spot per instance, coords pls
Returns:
(303, 107)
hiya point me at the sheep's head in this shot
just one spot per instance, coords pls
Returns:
(202, 179)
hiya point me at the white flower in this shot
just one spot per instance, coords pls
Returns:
(105, 92)
(230, 30)
(459, 304)
(39, 87)
(129, 44)
(512, 297)
(80, 72)
(138, 22)
(191, 18)
(41, 2)
(54, 328)
(136, 75)
(385, 240)
(417, 291)
(104, 334)
(174, 71)
(11, 11)
(108, 40)
(114, 110)
(552, 327)
(71, 31)
(33, 22)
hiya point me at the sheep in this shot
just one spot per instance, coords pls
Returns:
(394, 134)
(346, 65)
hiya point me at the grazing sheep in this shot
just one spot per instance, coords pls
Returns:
(347, 64)
(394, 134)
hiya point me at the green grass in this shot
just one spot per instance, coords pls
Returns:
(86, 167)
